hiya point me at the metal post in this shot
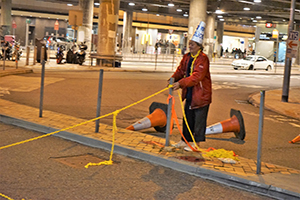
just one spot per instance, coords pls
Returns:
(48, 53)
(34, 54)
(4, 58)
(27, 55)
(169, 114)
(288, 61)
(277, 52)
(42, 53)
(17, 57)
(56, 41)
(99, 100)
(260, 130)
(42, 88)
(173, 61)
(156, 59)
(26, 36)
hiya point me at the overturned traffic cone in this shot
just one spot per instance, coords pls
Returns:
(234, 124)
(157, 118)
(296, 139)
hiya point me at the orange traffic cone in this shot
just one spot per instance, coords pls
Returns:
(156, 118)
(296, 139)
(234, 124)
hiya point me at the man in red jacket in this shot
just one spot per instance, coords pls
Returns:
(193, 77)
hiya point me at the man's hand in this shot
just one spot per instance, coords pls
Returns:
(176, 86)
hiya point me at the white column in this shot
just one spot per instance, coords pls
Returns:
(209, 36)
(6, 17)
(107, 27)
(87, 7)
(127, 26)
(197, 14)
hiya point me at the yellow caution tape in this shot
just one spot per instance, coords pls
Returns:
(185, 120)
(2, 195)
(115, 113)
(222, 153)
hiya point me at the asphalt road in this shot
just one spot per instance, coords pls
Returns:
(53, 169)
(75, 93)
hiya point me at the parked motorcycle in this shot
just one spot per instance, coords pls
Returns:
(81, 53)
(17, 52)
(60, 54)
(7, 51)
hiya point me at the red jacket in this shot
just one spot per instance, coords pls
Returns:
(200, 80)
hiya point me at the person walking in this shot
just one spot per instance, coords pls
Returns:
(193, 77)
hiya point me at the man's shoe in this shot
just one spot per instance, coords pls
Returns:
(179, 144)
(187, 148)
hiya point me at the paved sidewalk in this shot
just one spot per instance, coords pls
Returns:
(275, 181)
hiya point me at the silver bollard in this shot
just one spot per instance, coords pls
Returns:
(42, 88)
(260, 130)
(169, 114)
(99, 100)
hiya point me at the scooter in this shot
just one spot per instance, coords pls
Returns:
(81, 53)
(17, 52)
(7, 51)
(60, 54)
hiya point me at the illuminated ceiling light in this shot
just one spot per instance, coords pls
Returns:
(220, 16)
(257, 1)
(246, 8)
(179, 10)
(144, 9)
(218, 11)
(131, 4)
(69, 4)
(171, 4)
(157, 14)
(254, 21)
(97, 4)
(185, 14)
(258, 17)
(222, 19)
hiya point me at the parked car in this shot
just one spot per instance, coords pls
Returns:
(51, 41)
(253, 62)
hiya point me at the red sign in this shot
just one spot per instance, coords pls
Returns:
(14, 25)
(171, 31)
(269, 25)
(56, 25)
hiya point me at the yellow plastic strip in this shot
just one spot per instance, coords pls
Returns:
(52, 133)
(2, 195)
(108, 162)
(48, 134)
(185, 120)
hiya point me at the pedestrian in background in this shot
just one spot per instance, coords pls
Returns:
(193, 77)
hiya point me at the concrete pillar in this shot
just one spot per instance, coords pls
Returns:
(85, 31)
(197, 14)
(209, 36)
(127, 26)
(219, 42)
(107, 27)
(297, 60)
(6, 17)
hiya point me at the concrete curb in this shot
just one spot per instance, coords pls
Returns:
(15, 71)
(175, 164)
(254, 99)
